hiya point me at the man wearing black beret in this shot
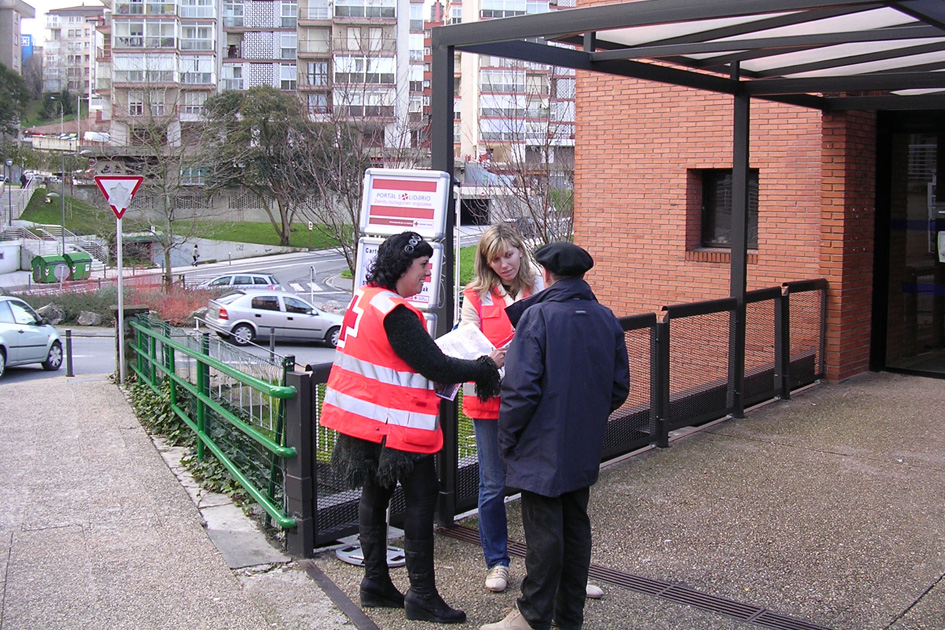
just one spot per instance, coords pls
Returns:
(566, 371)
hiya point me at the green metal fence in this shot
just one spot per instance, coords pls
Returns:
(232, 400)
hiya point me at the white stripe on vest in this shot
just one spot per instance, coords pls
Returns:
(385, 415)
(374, 372)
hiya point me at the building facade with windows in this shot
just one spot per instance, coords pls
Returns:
(510, 116)
(12, 13)
(69, 51)
(349, 60)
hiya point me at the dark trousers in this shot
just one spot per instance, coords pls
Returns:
(558, 536)
(421, 488)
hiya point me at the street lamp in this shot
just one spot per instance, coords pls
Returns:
(62, 180)
(9, 189)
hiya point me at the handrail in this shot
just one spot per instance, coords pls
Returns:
(205, 401)
(278, 391)
(699, 308)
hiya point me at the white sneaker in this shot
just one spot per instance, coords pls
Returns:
(497, 579)
(514, 621)
(593, 591)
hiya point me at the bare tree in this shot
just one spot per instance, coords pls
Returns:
(360, 126)
(167, 151)
(529, 166)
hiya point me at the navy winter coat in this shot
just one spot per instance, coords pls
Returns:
(566, 371)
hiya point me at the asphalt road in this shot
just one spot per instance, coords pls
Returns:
(90, 355)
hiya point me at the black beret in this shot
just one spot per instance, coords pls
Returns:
(564, 259)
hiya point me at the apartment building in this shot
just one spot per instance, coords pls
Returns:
(349, 60)
(68, 55)
(514, 120)
(12, 13)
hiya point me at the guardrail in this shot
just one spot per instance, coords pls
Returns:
(231, 400)
(682, 374)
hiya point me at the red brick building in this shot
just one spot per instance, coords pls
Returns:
(844, 145)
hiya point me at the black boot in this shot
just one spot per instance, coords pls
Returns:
(377, 590)
(422, 602)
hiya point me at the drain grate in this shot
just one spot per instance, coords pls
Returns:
(665, 590)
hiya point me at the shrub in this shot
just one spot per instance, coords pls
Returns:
(174, 305)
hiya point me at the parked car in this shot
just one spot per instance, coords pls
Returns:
(246, 315)
(26, 338)
(242, 281)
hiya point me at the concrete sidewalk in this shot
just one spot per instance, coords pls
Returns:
(96, 530)
(825, 511)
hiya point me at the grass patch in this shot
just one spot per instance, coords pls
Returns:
(81, 218)
(264, 234)
(467, 264)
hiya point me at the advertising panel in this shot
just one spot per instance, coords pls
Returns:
(397, 200)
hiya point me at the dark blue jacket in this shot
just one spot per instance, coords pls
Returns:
(566, 371)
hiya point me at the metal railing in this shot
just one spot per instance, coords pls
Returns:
(682, 374)
(261, 420)
(231, 400)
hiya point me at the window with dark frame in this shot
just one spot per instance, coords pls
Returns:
(717, 208)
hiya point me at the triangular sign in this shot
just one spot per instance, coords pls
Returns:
(119, 190)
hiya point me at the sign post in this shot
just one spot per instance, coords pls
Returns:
(119, 190)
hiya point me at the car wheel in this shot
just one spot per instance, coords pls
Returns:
(54, 359)
(3, 361)
(242, 334)
(332, 337)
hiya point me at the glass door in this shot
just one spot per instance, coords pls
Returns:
(915, 324)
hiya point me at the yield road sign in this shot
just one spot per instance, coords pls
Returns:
(119, 190)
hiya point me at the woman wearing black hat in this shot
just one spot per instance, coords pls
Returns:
(381, 401)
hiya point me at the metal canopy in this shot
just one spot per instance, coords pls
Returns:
(843, 55)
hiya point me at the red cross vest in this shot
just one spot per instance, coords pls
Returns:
(372, 393)
(498, 329)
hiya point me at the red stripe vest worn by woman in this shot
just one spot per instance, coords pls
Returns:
(504, 275)
(381, 402)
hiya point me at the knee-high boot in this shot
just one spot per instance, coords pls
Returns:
(422, 602)
(377, 590)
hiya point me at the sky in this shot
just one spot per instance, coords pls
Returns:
(37, 26)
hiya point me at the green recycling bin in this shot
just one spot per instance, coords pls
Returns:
(45, 268)
(80, 265)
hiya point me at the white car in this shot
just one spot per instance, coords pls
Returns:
(26, 338)
(246, 315)
(242, 281)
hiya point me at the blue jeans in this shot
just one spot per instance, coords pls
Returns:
(493, 527)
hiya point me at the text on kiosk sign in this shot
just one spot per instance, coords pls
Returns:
(402, 202)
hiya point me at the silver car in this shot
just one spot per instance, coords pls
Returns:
(242, 281)
(26, 338)
(246, 315)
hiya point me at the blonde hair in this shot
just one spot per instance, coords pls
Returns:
(495, 241)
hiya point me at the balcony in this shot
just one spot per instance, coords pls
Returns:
(190, 11)
(134, 8)
(196, 44)
(134, 41)
(197, 78)
(368, 111)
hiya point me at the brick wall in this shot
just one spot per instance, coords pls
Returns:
(637, 201)
(847, 238)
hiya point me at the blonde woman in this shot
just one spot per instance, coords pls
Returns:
(503, 275)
